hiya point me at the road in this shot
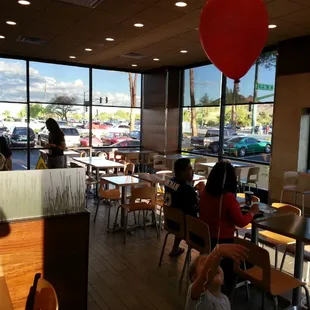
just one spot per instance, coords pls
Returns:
(19, 159)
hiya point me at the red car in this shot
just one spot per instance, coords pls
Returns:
(99, 125)
(114, 137)
(96, 142)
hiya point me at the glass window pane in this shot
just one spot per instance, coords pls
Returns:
(12, 80)
(266, 77)
(254, 129)
(200, 130)
(117, 127)
(202, 86)
(58, 83)
(112, 88)
(245, 90)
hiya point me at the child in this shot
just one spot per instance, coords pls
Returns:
(207, 277)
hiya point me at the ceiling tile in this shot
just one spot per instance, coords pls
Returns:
(278, 8)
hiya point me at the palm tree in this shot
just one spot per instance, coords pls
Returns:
(133, 98)
(192, 98)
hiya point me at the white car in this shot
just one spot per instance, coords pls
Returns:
(119, 128)
(72, 136)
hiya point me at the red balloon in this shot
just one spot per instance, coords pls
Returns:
(233, 34)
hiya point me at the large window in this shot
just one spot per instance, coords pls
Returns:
(248, 113)
(63, 93)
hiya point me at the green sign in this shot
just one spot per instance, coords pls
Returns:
(268, 87)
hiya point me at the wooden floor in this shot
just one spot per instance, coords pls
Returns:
(127, 277)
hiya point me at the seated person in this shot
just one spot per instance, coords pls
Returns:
(220, 209)
(3, 166)
(179, 193)
(207, 277)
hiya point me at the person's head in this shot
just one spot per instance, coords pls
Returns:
(52, 125)
(183, 169)
(3, 143)
(197, 268)
(215, 181)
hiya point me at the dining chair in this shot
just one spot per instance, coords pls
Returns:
(274, 240)
(238, 172)
(109, 196)
(102, 155)
(174, 224)
(42, 295)
(263, 276)
(198, 238)
(138, 193)
(159, 163)
(252, 178)
(150, 161)
(277, 205)
(129, 169)
(201, 169)
(291, 184)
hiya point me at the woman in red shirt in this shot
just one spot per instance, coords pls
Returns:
(221, 211)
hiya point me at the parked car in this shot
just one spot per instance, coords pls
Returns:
(211, 139)
(135, 134)
(114, 137)
(120, 128)
(17, 136)
(240, 146)
(72, 136)
(229, 126)
(96, 142)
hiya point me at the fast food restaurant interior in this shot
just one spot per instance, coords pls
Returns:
(154, 154)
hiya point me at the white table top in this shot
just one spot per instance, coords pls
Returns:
(98, 162)
(234, 164)
(123, 180)
(66, 153)
(132, 151)
(178, 156)
(162, 178)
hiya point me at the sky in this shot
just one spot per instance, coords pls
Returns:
(207, 79)
(50, 80)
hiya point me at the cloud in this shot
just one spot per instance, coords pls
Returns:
(45, 88)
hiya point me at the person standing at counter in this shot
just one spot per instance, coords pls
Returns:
(56, 145)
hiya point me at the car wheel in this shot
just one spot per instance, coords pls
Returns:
(215, 148)
(242, 152)
(268, 148)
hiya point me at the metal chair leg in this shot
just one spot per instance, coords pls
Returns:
(188, 254)
(281, 197)
(302, 205)
(283, 260)
(156, 227)
(163, 250)
(116, 217)
(109, 214)
(275, 302)
(125, 228)
(307, 296)
(97, 209)
(276, 257)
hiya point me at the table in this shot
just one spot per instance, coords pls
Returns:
(45, 153)
(233, 163)
(123, 181)
(142, 153)
(178, 156)
(5, 299)
(292, 226)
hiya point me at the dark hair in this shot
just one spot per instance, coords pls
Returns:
(181, 165)
(53, 127)
(216, 178)
(4, 148)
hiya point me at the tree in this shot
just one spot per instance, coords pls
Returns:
(6, 113)
(192, 98)
(61, 106)
(36, 111)
(133, 98)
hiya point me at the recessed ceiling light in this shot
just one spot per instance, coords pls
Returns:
(272, 26)
(10, 22)
(183, 51)
(72, 57)
(24, 2)
(2, 37)
(138, 25)
(88, 49)
(109, 39)
(156, 59)
(181, 4)
(134, 65)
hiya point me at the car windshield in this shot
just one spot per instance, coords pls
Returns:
(21, 131)
(70, 131)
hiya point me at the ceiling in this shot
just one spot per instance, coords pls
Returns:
(68, 29)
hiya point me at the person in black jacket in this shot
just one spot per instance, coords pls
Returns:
(6, 151)
(179, 193)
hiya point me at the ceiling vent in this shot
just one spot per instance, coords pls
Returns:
(30, 40)
(92, 4)
(134, 56)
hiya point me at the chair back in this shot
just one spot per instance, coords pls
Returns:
(129, 169)
(174, 221)
(238, 174)
(102, 155)
(150, 157)
(83, 154)
(253, 174)
(290, 178)
(159, 160)
(198, 235)
(201, 168)
(46, 297)
(242, 196)
(258, 257)
(288, 209)
(145, 192)
(133, 157)
(102, 189)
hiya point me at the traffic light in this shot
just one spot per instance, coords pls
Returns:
(100, 99)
